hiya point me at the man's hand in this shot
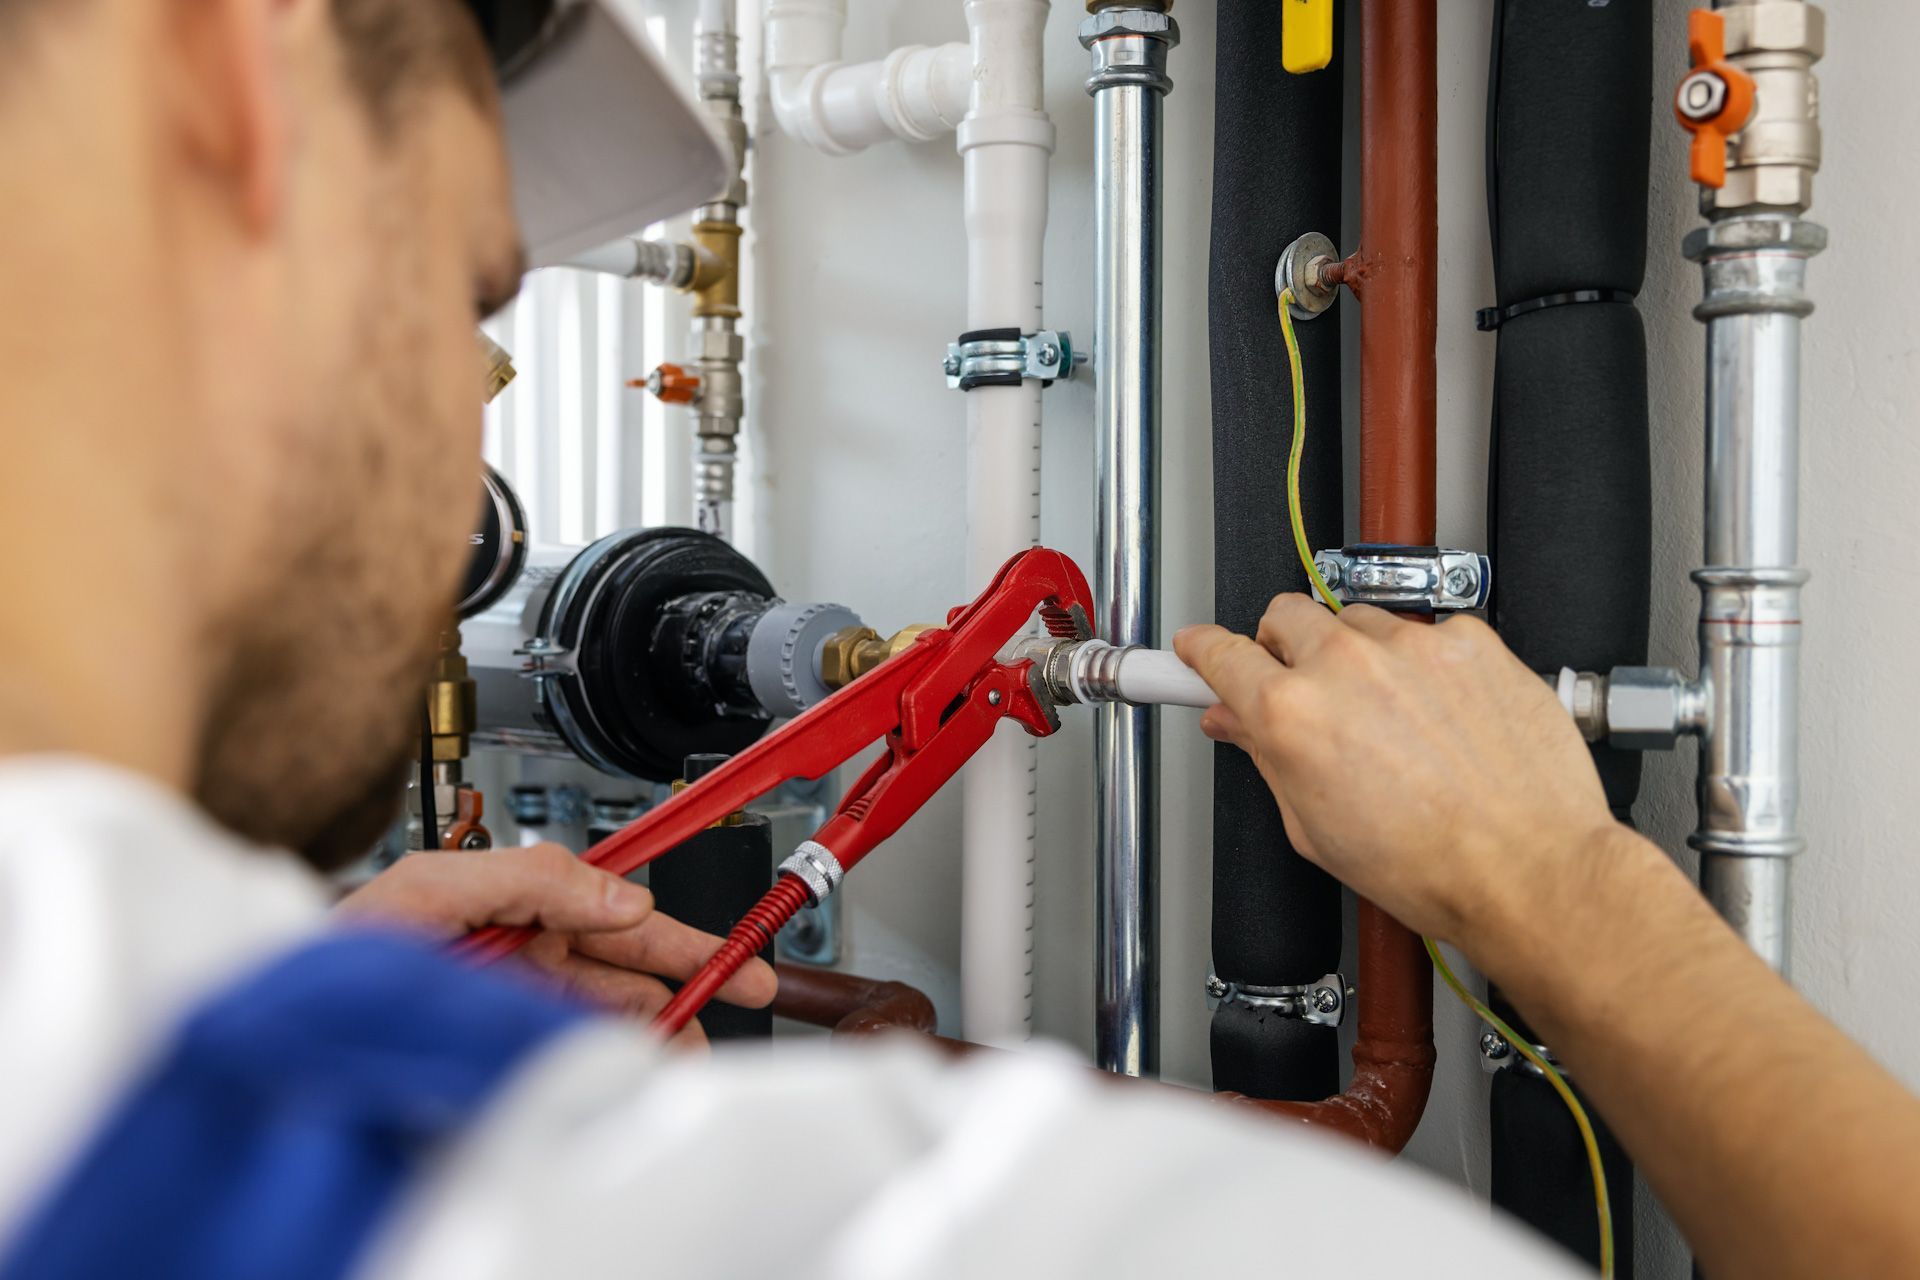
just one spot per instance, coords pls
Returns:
(1425, 766)
(600, 936)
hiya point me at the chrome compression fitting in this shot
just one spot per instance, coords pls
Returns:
(1407, 579)
(1071, 672)
(1007, 357)
(1322, 1002)
(1634, 708)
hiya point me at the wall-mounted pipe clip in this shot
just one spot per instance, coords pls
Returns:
(1322, 1002)
(1007, 357)
(1497, 1054)
(1407, 579)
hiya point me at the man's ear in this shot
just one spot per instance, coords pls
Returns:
(231, 79)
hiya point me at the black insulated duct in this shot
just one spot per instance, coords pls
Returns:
(1569, 108)
(1277, 167)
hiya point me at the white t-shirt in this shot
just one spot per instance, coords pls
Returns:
(121, 908)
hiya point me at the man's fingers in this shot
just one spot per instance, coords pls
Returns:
(619, 991)
(674, 950)
(1369, 621)
(1233, 666)
(546, 887)
(625, 994)
(1223, 724)
(1294, 626)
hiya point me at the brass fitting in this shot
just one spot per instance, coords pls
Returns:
(738, 818)
(852, 653)
(452, 702)
(716, 281)
(500, 370)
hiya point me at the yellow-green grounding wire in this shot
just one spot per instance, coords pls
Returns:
(1601, 1203)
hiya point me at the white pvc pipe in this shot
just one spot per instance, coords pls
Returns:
(1006, 142)
(915, 93)
(1140, 677)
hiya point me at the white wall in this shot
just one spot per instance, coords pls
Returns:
(858, 490)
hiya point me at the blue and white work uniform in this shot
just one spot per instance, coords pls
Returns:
(201, 1080)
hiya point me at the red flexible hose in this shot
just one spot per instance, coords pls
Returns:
(749, 938)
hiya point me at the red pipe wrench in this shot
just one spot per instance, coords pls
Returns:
(935, 705)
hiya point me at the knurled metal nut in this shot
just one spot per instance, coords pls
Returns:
(1129, 22)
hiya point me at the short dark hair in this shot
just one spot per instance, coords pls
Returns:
(395, 47)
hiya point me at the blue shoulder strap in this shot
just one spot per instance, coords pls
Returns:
(287, 1116)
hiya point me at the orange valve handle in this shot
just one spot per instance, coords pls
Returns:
(670, 384)
(1715, 101)
(468, 821)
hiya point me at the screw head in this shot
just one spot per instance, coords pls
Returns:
(1702, 96)
(1461, 581)
(1325, 999)
(952, 366)
(1494, 1046)
(1049, 355)
(993, 697)
(1216, 988)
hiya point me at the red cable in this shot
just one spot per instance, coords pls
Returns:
(754, 934)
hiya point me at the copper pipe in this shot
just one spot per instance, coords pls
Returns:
(1399, 234)
(1399, 242)
(1393, 1056)
(849, 1004)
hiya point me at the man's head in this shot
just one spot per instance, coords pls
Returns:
(248, 244)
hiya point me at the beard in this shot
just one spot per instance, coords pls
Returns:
(314, 715)
(300, 759)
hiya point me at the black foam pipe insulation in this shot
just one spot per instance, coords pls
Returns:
(1540, 1171)
(710, 882)
(1277, 167)
(1569, 117)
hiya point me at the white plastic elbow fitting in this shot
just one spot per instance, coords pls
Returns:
(916, 93)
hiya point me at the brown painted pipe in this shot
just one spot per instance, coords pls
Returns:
(1399, 242)
(1392, 1057)
(849, 1004)
(1394, 277)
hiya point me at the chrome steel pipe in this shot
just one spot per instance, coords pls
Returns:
(718, 348)
(1129, 82)
(1749, 790)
